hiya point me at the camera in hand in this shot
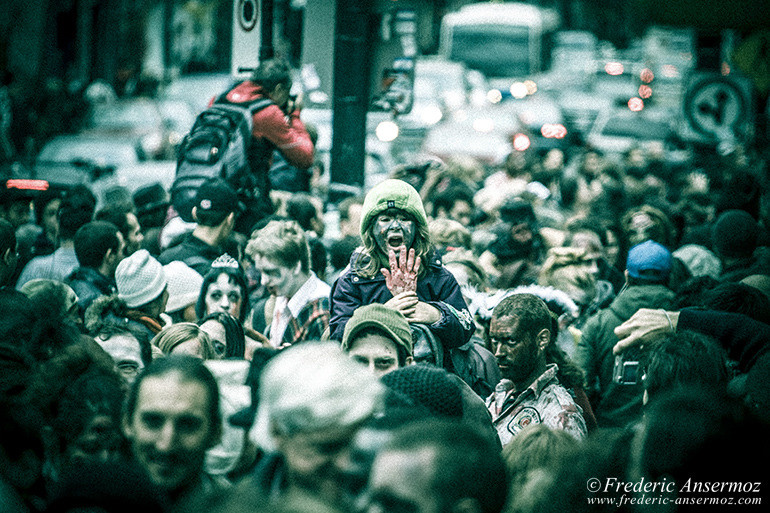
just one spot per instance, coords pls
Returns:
(625, 371)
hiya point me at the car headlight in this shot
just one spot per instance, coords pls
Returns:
(152, 143)
(431, 115)
(386, 131)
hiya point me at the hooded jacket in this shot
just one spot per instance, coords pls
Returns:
(436, 286)
(615, 405)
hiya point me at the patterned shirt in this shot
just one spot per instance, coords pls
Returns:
(303, 317)
(545, 401)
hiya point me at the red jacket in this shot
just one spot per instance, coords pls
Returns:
(286, 132)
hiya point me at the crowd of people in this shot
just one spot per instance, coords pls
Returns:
(471, 340)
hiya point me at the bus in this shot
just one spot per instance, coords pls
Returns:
(501, 40)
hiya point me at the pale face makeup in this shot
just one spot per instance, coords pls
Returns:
(278, 279)
(224, 295)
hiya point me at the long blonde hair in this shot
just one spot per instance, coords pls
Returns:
(171, 336)
(372, 258)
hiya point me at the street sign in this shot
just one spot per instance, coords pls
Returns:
(716, 107)
(247, 37)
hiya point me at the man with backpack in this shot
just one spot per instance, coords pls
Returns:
(235, 139)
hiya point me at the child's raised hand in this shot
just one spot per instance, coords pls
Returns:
(402, 275)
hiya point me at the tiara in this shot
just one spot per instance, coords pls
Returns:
(225, 261)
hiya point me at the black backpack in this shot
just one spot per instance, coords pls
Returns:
(217, 147)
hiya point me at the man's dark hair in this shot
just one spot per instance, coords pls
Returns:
(685, 359)
(117, 215)
(93, 240)
(300, 208)
(466, 463)
(77, 208)
(532, 312)
(190, 369)
(108, 330)
(447, 199)
(738, 298)
(272, 72)
(7, 237)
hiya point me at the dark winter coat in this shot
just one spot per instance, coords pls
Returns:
(615, 405)
(437, 287)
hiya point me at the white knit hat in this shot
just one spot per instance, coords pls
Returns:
(184, 285)
(140, 279)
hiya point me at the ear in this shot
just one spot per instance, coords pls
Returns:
(543, 338)
(298, 268)
(408, 361)
(125, 424)
(466, 505)
(231, 219)
(108, 255)
(8, 256)
(195, 214)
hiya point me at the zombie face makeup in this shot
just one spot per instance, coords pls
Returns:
(392, 229)
(278, 279)
(224, 295)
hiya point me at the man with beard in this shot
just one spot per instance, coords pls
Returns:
(529, 392)
(171, 418)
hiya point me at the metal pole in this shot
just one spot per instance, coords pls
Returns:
(266, 25)
(351, 86)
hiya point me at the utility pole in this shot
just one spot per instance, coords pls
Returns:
(266, 26)
(350, 92)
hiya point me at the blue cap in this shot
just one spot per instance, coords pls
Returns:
(649, 261)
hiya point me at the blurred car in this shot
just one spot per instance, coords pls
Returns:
(616, 80)
(487, 134)
(580, 109)
(198, 90)
(618, 130)
(542, 116)
(441, 87)
(74, 159)
(178, 117)
(134, 176)
(574, 50)
(137, 118)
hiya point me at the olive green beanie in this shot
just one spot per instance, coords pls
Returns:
(393, 193)
(379, 316)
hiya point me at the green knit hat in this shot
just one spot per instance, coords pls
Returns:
(390, 321)
(393, 193)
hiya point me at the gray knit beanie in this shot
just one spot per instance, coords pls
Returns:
(140, 279)
(184, 285)
(379, 316)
